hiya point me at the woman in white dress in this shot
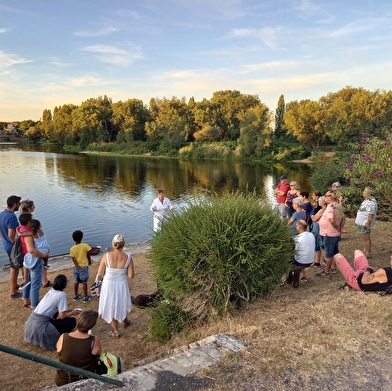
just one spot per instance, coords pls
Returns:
(115, 299)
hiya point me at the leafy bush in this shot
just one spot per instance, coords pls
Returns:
(217, 253)
(325, 174)
(370, 164)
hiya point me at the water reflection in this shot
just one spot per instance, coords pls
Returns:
(106, 195)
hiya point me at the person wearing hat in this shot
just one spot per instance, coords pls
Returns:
(281, 193)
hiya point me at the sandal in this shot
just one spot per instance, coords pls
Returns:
(47, 285)
(126, 323)
(114, 334)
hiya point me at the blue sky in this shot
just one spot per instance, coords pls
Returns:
(55, 52)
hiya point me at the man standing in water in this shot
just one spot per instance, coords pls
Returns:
(8, 225)
(160, 207)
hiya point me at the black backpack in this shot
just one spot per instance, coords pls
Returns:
(16, 255)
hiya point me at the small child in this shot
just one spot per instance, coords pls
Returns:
(40, 243)
(80, 254)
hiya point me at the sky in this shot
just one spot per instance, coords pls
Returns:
(55, 52)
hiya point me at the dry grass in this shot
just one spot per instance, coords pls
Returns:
(313, 338)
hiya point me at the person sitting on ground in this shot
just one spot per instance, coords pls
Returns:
(299, 214)
(363, 277)
(51, 317)
(87, 346)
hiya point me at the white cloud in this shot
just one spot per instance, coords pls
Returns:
(98, 33)
(268, 35)
(8, 60)
(114, 55)
(272, 65)
(3, 30)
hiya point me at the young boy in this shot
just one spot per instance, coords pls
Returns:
(80, 254)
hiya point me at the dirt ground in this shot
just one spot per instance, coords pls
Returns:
(311, 338)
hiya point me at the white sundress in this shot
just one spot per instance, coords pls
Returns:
(115, 299)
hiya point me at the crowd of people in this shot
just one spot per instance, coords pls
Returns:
(316, 225)
(324, 218)
(51, 324)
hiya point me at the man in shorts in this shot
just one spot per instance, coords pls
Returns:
(8, 225)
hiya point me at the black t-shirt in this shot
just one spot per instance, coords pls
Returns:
(377, 286)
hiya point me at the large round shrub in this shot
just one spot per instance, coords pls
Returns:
(217, 252)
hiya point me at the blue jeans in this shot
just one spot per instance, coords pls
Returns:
(331, 245)
(35, 278)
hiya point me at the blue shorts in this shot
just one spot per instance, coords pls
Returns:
(331, 245)
(80, 277)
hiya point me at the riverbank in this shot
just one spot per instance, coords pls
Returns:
(311, 338)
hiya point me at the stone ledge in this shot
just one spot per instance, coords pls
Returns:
(200, 354)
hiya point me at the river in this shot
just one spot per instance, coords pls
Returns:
(103, 195)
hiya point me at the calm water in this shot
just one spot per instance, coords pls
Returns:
(104, 195)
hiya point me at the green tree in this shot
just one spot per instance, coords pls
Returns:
(34, 134)
(255, 133)
(130, 117)
(306, 121)
(47, 123)
(63, 125)
(280, 131)
(90, 114)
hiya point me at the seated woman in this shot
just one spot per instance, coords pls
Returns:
(79, 349)
(51, 317)
(362, 277)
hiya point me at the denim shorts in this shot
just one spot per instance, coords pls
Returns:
(362, 230)
(331, 245)
(80, 277)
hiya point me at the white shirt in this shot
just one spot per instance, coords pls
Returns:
(54, 301)
(368, 207)
(161, 208)
(304, 245)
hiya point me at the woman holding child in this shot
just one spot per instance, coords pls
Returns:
(115, 300)
(33, 256)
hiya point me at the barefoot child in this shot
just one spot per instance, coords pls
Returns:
(80, 254)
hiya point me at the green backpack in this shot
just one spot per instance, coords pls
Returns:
(112, 363)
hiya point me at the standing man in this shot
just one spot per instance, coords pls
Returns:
(281, 193)
(160, 207)
(366, 218)
(330, 228)
(8, 225)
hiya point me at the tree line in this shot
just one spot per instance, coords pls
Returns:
(167, 125)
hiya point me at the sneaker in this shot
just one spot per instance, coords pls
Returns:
(333, 270)
(77, 297)
(46, 267)
(16, 295)
(315, 266)
(304, 279)
(324, 273)
(24, 285)
(87, 298)
(368, 256)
